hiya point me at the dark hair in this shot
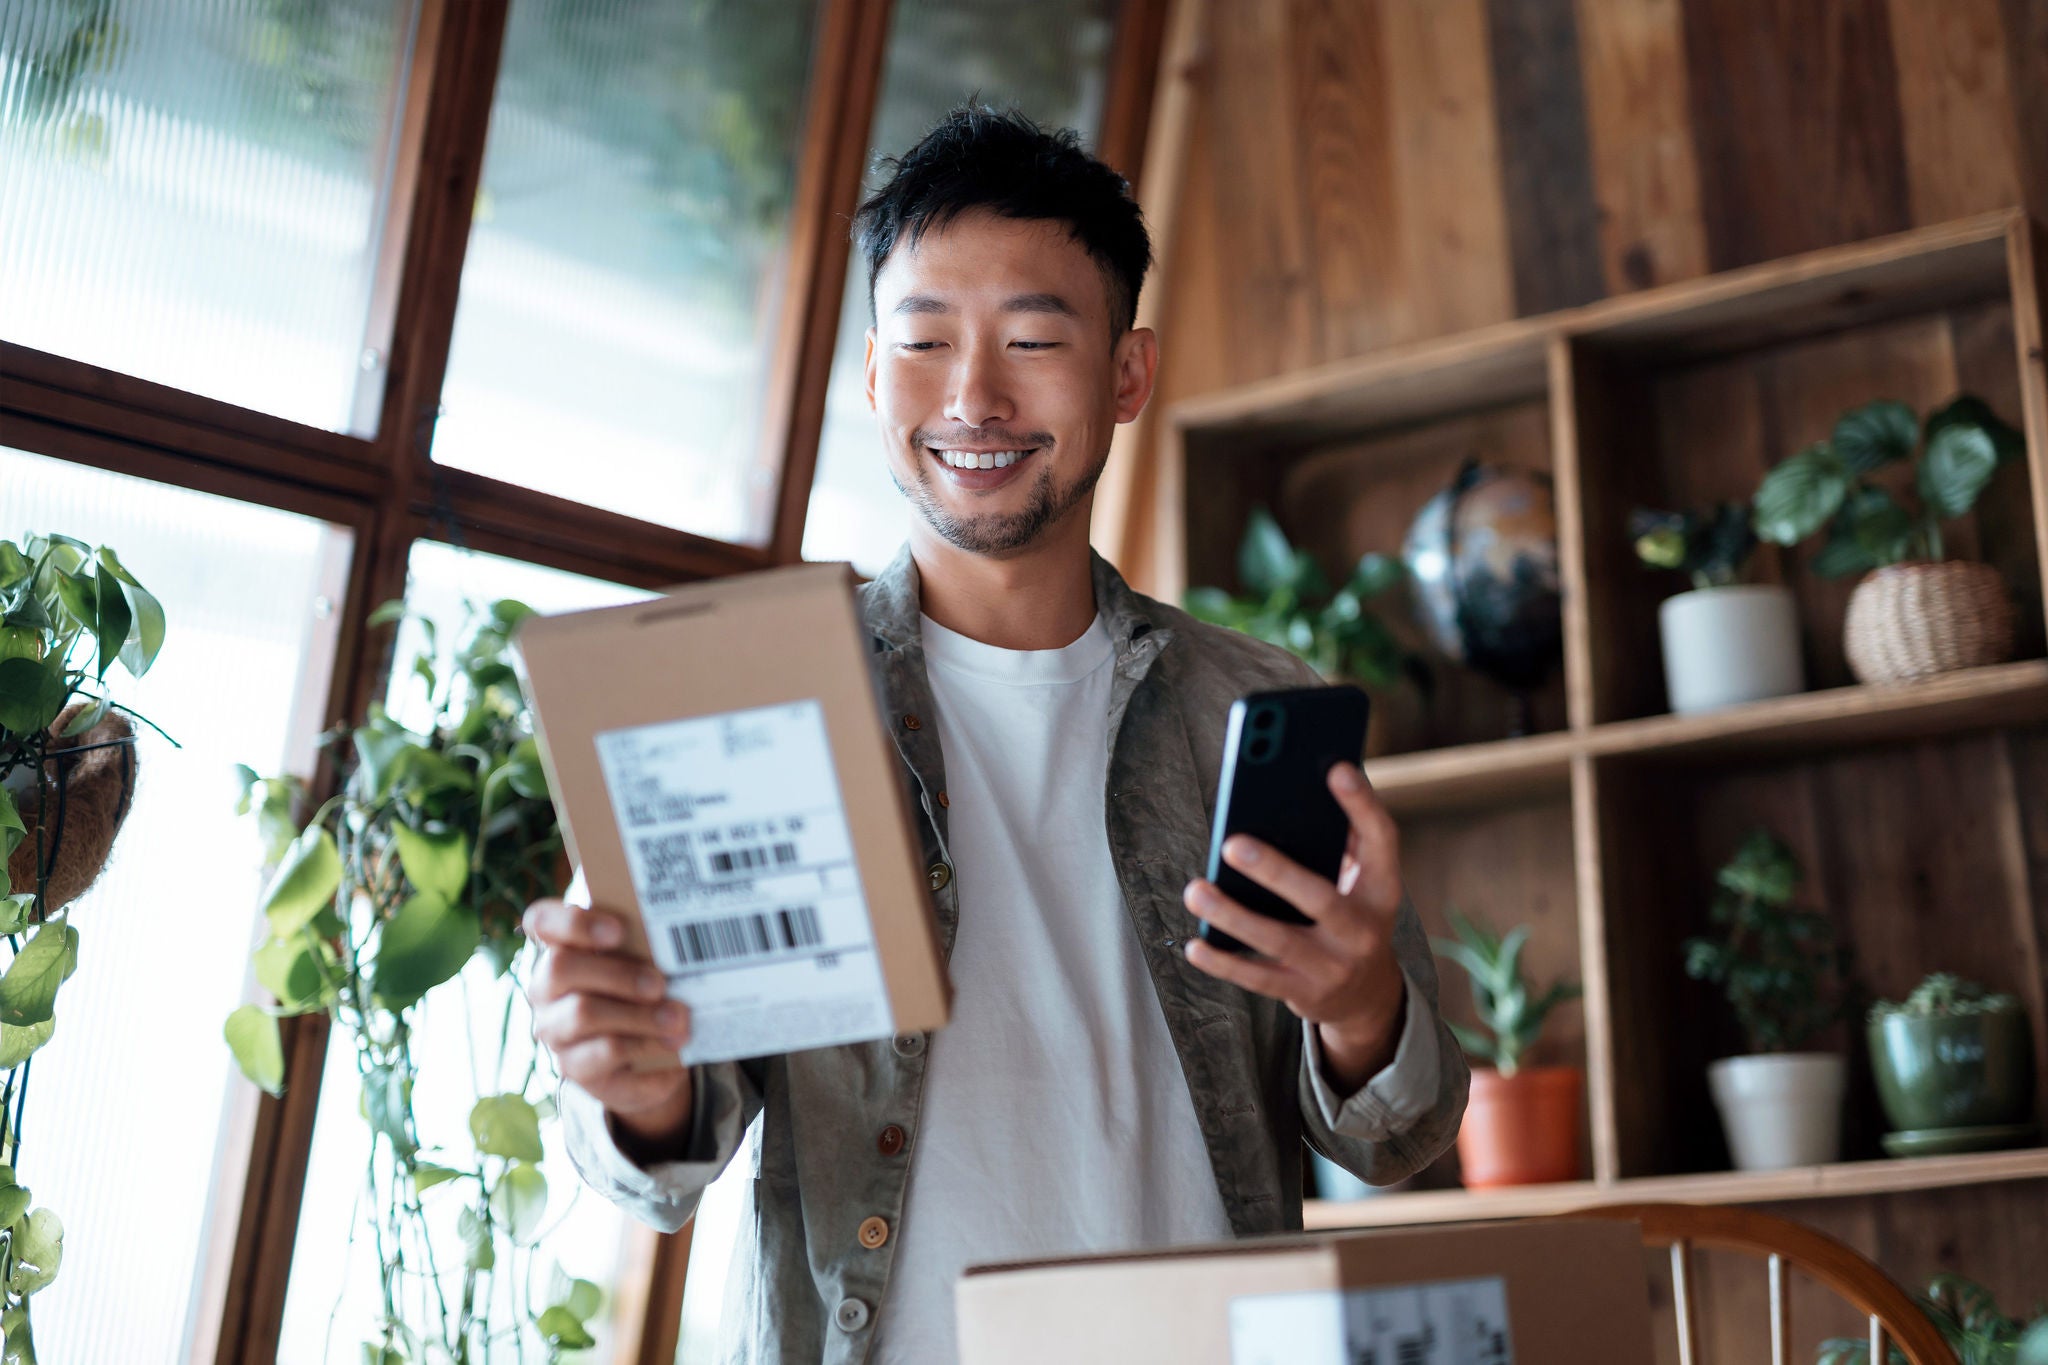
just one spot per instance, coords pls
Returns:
(978, 157)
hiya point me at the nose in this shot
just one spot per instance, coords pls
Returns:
(976, 394)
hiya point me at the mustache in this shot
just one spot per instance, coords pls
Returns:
(981, 438)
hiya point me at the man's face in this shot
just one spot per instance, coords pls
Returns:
(996, 379)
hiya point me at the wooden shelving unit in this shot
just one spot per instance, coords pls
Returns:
(1920, 811)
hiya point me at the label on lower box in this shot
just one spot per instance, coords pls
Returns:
(1446, 1322)
(744, 869)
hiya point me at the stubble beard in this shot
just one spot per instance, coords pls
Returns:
(998, 533)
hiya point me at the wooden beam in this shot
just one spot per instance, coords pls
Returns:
(846, 79)
(455, 54)
(1132, 87)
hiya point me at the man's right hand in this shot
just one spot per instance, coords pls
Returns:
(605, 1016)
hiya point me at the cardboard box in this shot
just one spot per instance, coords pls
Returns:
(722, 777)
(1545, 1292)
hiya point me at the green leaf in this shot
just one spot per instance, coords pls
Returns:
(253, 1038)
(88, 717)
(18, 1044)
(377, 752)
(20, 1346)
(376, 1353)
(436, 863)
(79, 599)
(1974, 411)
(305, 882)
(528, 775)
(386, 1104)
(1477, 1045)
(32, 692)
(583, 1300)
(508, 612)
(519, 1200)
(421, 946)
(1376, 574)
(476, 1235)
(507, 1126)
(290, 971)
(386, 613)
(112, 618)
(1265, 561)
(14, 566)
(148, 639)
(1880, 527)
(28, 992)
(1213, 605)
(426, 1175)
(36, 1245)
(15, 909)
(1797, 498)
(563, 1330)
(14, 1202)
(1875, 435)
(1842, 557)
(1960, 461)
(12, 830)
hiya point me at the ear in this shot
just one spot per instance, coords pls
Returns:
(868, 369)
(1137, 368)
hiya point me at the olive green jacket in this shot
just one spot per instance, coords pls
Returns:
(803, 1289)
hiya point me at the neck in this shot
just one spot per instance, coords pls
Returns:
(1039, 597)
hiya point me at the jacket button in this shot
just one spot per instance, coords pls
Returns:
(873, 1232)
(851, 1315)
(912, 723)
(890, 1142)
(908, 1044)
(939, 875)
(944, 801)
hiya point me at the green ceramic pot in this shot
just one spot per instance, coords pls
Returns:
(1953, 1071)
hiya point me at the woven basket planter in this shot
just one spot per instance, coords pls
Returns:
(90, 796)
(1915, 620)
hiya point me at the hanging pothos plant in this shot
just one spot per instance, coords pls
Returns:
(426, 858)
(68, 612)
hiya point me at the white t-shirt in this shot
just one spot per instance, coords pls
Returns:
(1055, 1116)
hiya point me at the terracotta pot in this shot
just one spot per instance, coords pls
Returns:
(1522, 1129)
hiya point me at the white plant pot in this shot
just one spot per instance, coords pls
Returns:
(1782, 1110)
(1728, 645)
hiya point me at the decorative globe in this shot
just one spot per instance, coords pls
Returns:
(1482, 556)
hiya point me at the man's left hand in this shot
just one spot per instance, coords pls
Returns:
(1339, 971)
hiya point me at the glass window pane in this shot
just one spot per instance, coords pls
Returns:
(333, 1300)
(1050, 59)
(137, 1056)
(627, 257)
(194, 189)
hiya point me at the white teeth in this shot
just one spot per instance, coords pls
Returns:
(982, 459)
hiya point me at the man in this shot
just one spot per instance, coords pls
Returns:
(1109, 1081)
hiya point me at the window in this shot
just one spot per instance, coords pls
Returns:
(333, 1295)
(194, 190)
(1048, 59)
(613, 335)
(125, 1110)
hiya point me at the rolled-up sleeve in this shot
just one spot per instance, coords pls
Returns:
(663, 1195)
(1407, 1113)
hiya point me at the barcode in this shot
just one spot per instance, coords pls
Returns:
(747, 859)
(722, 940)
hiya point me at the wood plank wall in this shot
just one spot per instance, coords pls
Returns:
(1368, 172)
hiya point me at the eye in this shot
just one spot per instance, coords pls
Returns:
(917, 345)
(1035, 345)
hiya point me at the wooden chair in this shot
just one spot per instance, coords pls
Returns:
(1894, 1317)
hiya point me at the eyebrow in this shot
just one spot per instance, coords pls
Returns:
(912, 304)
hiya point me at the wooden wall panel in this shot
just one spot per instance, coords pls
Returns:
(1953, 98)
(1545, 161)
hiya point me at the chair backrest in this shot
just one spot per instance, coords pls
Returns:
(1893, 1316)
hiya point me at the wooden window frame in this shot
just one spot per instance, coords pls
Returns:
(380, 485)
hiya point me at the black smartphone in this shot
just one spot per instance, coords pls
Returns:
(1275, 787)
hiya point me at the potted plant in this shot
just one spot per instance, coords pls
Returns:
(1289, 602)
(1725, 641)
(1954, 1065)
(1968, 1317)
(426, 859)
(1787, 980)
(1915, 613)
(68, 612)
(1522, 1122)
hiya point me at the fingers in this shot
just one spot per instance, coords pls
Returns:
(1259, 932)
(1263, 978)
(1284, 877)
(574, 1020)
(624, 1074)
(559, 924)
(571, 971)
(1375, 840)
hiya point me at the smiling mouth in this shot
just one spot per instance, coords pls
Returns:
(981, 459)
